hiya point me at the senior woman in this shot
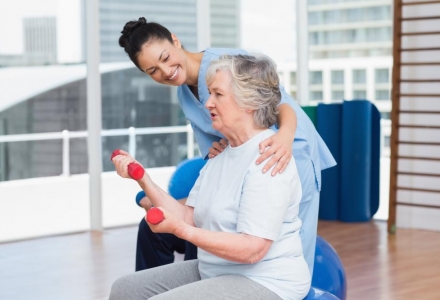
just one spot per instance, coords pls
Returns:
(244, 222)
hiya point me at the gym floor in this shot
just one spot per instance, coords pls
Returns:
(83, 266)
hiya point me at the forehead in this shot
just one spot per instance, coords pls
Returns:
(151, 51)
(221, 80)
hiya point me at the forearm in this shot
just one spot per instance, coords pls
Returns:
(287, 120)
(160, 198)
(241, 248)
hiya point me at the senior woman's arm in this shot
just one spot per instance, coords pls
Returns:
(237, 247)
(156, 195)
(280, 144)
(160, 198)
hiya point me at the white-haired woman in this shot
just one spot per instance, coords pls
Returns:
(244, 222)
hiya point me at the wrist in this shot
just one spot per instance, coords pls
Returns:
(183, 231)
(286, 132)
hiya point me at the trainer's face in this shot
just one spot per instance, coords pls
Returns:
(165, 62)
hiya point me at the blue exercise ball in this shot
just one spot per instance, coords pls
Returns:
(328, 271)
(139, 197)
(184, 177)
(317, 294)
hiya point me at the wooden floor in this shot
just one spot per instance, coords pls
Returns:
(83, 266)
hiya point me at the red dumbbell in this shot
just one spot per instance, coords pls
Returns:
(154, 216)
(134, 170)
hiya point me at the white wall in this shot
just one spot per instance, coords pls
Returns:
(58, 205)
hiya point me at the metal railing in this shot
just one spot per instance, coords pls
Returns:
(132, 132)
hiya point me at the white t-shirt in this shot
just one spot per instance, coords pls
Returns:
(233, 195)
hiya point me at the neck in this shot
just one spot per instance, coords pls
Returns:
(241, 134)
(193, 60)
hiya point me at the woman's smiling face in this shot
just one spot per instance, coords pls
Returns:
(165, 62)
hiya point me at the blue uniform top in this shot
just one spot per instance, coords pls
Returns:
(307, 146)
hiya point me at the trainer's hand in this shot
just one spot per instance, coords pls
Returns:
(121, 163)
(279, 146)
(217, 148)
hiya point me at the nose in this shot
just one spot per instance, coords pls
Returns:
(166, 71)
(209, 103)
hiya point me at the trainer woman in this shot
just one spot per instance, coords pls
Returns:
(243, 221)
(158, 53)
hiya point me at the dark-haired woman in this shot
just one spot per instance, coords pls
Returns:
(159, 53)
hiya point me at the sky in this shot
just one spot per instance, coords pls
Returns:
(265, 27)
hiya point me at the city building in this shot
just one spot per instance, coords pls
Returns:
(349, 52)
(179, 16)
(40, 44)
(129, 97)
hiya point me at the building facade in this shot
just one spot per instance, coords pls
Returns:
(350, 44)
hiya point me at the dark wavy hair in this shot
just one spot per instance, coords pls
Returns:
(137, 33)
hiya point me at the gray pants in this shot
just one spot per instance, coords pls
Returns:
(181, 281)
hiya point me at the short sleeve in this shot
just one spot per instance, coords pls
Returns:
(192, 197)
(264, 203)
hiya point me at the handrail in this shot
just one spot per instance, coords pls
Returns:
(132, 132)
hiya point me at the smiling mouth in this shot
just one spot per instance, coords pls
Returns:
(174, 74)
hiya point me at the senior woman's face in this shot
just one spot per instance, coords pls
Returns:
(225, 113)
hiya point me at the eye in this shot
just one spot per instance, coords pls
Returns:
(218, 94)
(154, 71)
(166, 58)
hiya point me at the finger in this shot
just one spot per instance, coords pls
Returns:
(286, 163)
(214, 152)
(264, 144)
(124, 161)
(224, 143)
(217, 146)
(266, 154)
(278, 166)
(123, 152)
(270, 163)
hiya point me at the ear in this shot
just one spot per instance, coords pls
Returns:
(176, 41)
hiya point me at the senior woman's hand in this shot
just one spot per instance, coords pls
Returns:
(170, 224)
(279, 146)
(121, 163)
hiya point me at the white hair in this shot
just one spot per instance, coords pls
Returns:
(255, 84)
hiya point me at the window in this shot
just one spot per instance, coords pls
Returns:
(338, 77)
(359, 94)
(337, 95)
(385, 115)
(316, 96)
(382, 76)
(315, 77)
(382, 95)
(359, 76)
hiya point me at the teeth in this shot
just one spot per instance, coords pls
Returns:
(174, 75)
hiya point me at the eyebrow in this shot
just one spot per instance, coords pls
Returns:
(160, 57)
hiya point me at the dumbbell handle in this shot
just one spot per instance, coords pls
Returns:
(134, 170)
